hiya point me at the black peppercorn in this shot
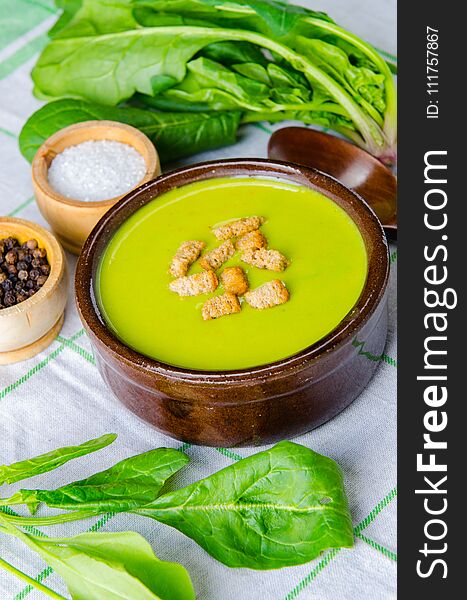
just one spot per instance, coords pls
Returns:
(31, 244)
(41, 280)
(10, 299)
(23, 270)
(10, 257)
(39, 252)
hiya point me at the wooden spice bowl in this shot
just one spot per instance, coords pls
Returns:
(252, 406)
(29, 327)
(73, 220)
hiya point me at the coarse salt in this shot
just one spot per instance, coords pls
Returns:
(96, 170)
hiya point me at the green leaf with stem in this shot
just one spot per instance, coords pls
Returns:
(109, 566)
(132, 482)
(277, 508)
(51, 460)
(175, 135)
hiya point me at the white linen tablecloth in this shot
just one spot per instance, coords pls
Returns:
(58, 398)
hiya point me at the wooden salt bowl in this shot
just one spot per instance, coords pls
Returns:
(73, 220)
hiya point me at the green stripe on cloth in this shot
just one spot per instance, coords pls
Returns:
(48, 5)
(376, 546)
(312, 574)
(21, 16)
(78, 349)
(262, 127)
(21, 206)
(376, 511)
(8, 133)
(29, 528)
(332, 553)
(22, 55)
(229, 453)
(43, 363)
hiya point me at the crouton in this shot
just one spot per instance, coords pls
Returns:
(218, 256)
(219, 306)
(194, 285)
(267, 295)
(234, 280)
(185, 256)
(239, 227)
(251, 241)
(265, 259)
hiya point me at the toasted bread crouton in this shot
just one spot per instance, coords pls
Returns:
(218, 256)
(237, 228)
(185, 256)
(194, 285)
(269, 294)
(234, 280)
(227, 304)
(265, 259)
(251, 241)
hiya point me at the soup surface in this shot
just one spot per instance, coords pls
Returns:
(327, 272)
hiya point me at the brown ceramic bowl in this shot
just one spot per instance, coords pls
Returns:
(251, 406)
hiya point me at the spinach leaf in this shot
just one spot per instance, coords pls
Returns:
(93, 17)
(253, 71)
(132, 482)
(277, 508)
(229, 53)
(174, 135)
(51, 460)
(366, 87)
(107, 566)
(271, 17)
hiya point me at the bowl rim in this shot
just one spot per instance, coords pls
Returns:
(57, 267)
(370, 297)
(48, 191)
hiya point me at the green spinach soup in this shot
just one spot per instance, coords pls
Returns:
(315, 261)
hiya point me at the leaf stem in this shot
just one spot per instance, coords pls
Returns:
(53, 520)
(33, 582)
